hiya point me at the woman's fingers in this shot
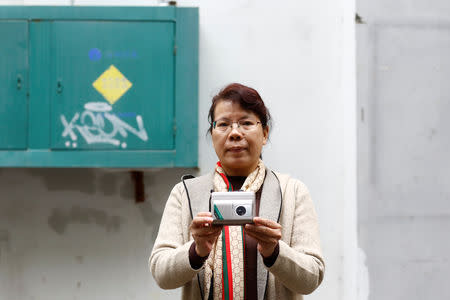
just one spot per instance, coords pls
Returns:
(204, 242)
(206, 239)
(201, 227)
(202, 221)
(264, 229)
(266, 232)
(266, 222)
(263, 237)
(204, 232)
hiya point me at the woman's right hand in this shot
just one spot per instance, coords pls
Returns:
(204, 233)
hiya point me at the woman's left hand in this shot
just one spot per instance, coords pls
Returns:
(266, 232)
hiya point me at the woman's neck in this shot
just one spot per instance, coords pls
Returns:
(239, 171)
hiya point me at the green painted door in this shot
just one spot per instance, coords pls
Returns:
(113, 85)
(13, 84)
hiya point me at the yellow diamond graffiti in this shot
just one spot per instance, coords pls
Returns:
(112, 84)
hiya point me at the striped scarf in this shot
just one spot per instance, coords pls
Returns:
(225, 267)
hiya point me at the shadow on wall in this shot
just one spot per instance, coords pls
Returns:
(103, 190)
(59, 219)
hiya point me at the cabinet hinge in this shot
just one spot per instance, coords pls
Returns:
(175, 50)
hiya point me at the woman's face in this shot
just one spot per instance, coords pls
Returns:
(238, 150)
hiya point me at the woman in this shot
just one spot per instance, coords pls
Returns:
(276, 257)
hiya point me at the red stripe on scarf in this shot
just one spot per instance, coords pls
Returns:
(228, 249)
(225, 179)
(228, 281)
(223, 292)
(245, 273)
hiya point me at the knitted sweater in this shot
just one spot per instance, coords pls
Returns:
(297, 271)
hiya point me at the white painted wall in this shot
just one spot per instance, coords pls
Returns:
(77, 234)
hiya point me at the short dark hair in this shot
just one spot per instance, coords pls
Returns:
(247, 97)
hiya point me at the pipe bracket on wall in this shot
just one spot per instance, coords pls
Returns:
(139, 189)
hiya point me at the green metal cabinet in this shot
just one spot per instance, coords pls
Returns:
(98, 86)
(13, 87)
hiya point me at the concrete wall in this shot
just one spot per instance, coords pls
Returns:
(77, 234)
(403, 165)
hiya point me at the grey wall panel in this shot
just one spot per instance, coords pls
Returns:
(403, 9)
(403, 59)
(412, 129)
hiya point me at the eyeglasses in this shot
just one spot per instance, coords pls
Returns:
(245, 125)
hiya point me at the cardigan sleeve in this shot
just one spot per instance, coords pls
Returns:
(300, 265)
(169, 260)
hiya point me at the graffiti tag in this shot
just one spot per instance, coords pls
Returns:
(98, 125)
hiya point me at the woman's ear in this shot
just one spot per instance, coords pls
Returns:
(265, 134)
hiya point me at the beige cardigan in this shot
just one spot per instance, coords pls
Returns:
(299, 267)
